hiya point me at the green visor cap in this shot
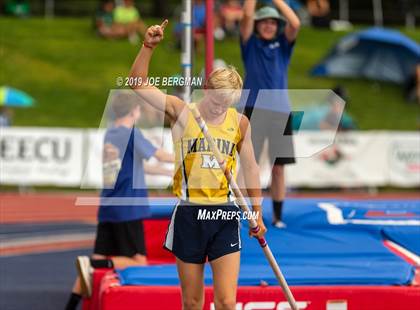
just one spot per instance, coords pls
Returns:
(268, 12)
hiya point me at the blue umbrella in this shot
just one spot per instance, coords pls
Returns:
(11, 97)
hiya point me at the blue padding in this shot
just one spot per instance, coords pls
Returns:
(305, 274)
(312, 251)
(306, 258)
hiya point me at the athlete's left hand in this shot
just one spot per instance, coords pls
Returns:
(154, 34)
(262, 227)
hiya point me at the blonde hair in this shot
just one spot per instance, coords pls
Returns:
(227, 82)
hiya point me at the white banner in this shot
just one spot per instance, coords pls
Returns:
(41, 156)
(403, 159)
(73, 157)
(92, 167)
(353, 160)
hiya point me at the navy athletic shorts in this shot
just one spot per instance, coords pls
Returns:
(120, 239)
(193, 239)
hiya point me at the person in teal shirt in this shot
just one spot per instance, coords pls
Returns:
(328, 114)
(119, 22)
(19, 8)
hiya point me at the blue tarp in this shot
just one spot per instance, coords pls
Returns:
(395, 220)
(376, 53)
(312, 251)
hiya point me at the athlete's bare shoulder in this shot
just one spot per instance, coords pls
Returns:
(243, 123)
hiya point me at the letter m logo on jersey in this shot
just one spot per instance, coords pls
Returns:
(209, 162)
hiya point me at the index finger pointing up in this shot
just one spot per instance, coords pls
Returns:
(164, 23)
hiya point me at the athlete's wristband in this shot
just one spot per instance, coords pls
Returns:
(147, 45)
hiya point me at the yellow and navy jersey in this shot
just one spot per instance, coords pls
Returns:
(198, 177)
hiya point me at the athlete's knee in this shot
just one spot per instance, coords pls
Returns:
(192, 303)
(98, 256)
(225, 303)
(140, 259)
(277, 171)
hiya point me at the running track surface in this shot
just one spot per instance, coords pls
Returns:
(36, 208)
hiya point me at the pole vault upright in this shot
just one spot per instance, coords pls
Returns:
(209, 37)
(187, 47)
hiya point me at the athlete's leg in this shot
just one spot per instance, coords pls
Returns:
(123, 261)
(278, 186)
(192, 284)
(76, 286)
(281, 151)
(83, 282)
(278, 193)
(225, 280)
(117, 262)
(98, 256)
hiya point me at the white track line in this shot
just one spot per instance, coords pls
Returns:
(18, 242)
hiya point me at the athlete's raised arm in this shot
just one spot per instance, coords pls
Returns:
(171, 105)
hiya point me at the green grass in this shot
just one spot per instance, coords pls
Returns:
(69, 71)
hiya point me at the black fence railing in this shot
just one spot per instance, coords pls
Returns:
(360, 11)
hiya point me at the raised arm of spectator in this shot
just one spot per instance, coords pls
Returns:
(171, 105)
(293, 22)
(247, 23)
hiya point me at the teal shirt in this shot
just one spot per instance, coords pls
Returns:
(106, 18)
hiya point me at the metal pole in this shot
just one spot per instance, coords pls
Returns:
(344, 10)
(49, 8)
(209, 37)
(410, 21)
(187, 48)
(377, 13)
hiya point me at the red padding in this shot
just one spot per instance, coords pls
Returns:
(314, 298)
(93, 302)
(155, 231)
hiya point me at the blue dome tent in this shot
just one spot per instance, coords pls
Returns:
(376, 53)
